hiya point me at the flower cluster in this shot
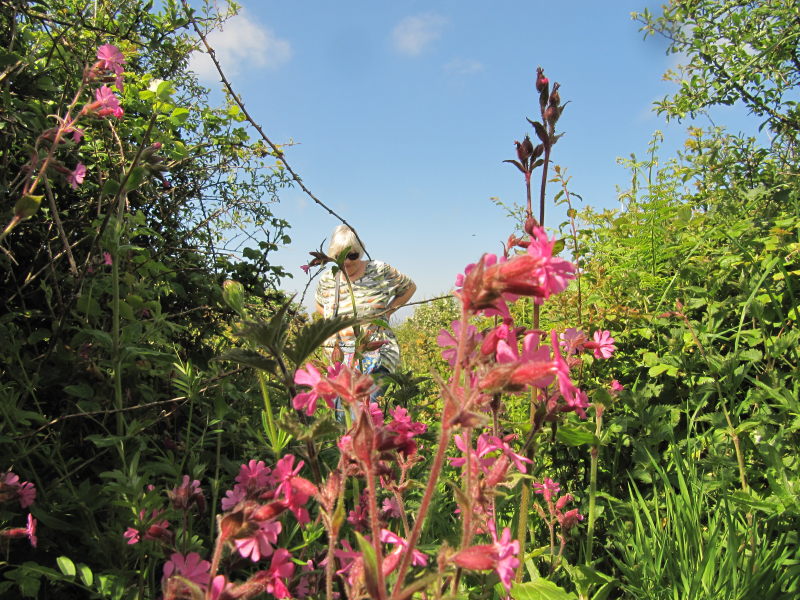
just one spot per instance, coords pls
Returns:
(12, 489)
(500, 556)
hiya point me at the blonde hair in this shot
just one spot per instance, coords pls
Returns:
(344, 238)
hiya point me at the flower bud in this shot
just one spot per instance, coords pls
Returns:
(476, 558)
(541, 80)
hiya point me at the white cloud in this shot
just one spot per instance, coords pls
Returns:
(413, 35)
(241, 45)
(463, 66)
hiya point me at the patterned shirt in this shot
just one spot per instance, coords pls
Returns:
(373, 292)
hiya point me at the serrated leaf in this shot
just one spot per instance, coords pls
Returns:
(272, 334)
(541, 589)
(541, 132)
(135, 178)
(313, 335)
(517, 164)
(66, 566)
(249, 358)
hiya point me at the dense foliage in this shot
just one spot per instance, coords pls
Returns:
(136, 375)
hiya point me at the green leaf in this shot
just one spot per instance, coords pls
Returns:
(110, 187)
(313, 335)
(27, 206)
(233, 295)
(249, 358)
(370, 565)
(541, 589)
(573, 436)
(179, 116)
(81, 390)
(135, 179)
(66, 566)
(87, 577)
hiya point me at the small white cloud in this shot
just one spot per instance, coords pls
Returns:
(240, 45)
(463, 66)
(414, 34)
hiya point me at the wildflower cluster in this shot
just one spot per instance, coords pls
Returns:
(12, 490)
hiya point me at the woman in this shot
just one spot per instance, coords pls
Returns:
(379, 290)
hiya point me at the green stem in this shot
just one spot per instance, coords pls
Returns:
(595, 452)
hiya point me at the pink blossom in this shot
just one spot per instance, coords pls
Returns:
(405, 429)
(259, 544)
(449, 341)
(31, 530)
(191, 566)
(547, 489)
(106, 103)
(75, 178)
(572, 340)
(281, 568)
(186, 493)
(233, 497)
(319, 389)
(603, 344)
(254, 475)
(107, 260)
(569, 519)
(391, 508)
(376, 414)
(616, 387)
(575, 398)
(28, 531)
(305, 268)
(506, 551)
(495, 443)
(553, 273)
(392, 559)
(295, 496)
(27, 494)
(110, 58)
(303, 587)
(132, 535)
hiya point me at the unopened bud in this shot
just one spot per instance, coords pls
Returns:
(541, 80)
(524, 150)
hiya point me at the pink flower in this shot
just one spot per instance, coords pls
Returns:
(259, 544)
(281, 568)
(254, 475)
(107, 260)
(295, 489)
(547, 489)
(569, 519)
(218, 586)
(110, 58)
(392, 559)
(106, 103)
(391, 508)
(132, 535)
(186, 493)
(320, 389)
(20, 532)
(576, 399)
(616, 387)
(75, 178)
(191, 566)
(31, 530)
(233, 497)
(305, 268)
(27, 494)
(449, 341)
(552, 273)
(572, 340)
(506, 552)
(604, 344)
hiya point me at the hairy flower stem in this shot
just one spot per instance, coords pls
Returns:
(215, 558)
(525, 499)
(595, 452)
(376, 529)
(438, 461)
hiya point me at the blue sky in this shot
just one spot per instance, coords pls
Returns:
(401, 114)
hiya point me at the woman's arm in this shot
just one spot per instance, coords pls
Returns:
(401, 299)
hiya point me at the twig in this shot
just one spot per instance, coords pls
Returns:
(278, 152)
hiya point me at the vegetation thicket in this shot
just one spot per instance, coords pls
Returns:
(168, 420)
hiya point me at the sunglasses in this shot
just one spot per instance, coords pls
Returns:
(353, 256)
